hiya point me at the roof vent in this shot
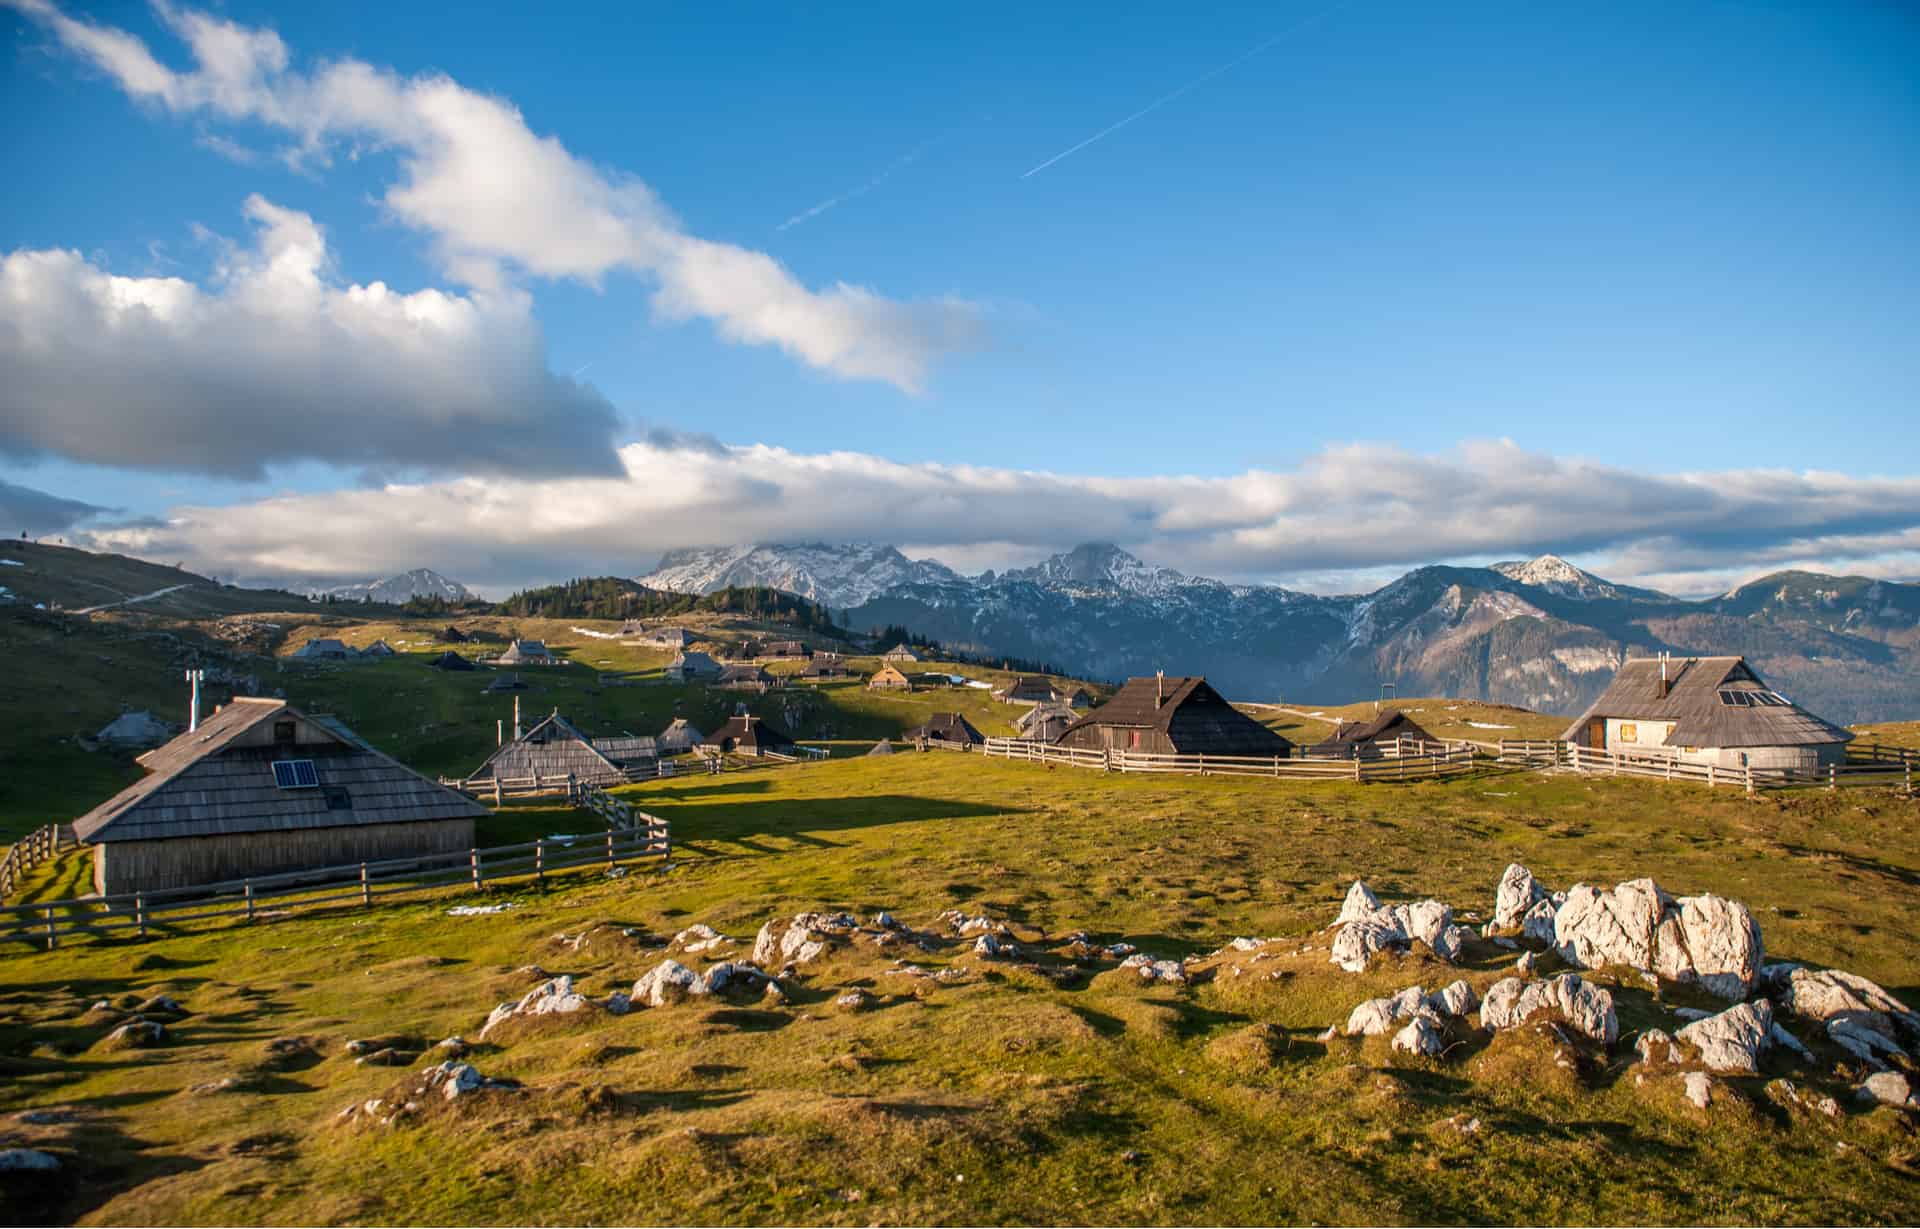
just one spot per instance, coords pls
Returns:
(1666, 684)
(1159, 688)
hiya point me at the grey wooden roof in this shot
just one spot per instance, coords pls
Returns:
(1195, 718)
(1701, 717)
(946, 727)
(681, 735)
(526, 650)
(552, 747)
(1029, 687)
(747, 730)
(695, 663)
(324, 646)
(207, 783)
(623, 747)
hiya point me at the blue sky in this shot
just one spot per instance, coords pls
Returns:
(1638, 240)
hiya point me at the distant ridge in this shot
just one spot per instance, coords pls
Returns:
(396, 590)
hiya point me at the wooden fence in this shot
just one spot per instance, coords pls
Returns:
(1882, 766)
(1442, 761)
(499, 789)
(30, 851)
(270, 897)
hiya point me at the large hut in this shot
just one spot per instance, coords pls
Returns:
(261, 788)
(527, 653)
(747, 734)
(1172, 716)
(450, 660)
(1706, 710)
(1360, 740)
(135, 729)
(323, 648)
(900, 652)
(889, 678)
(1028, 689)
(746, 677)
(553, 749)
(691, 667)
(826, 666)
(950, 728)
(680, 737)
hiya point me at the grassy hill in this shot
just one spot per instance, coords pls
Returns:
(1033, 1090)
(65, 577)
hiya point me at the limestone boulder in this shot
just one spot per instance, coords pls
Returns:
(1357, 940)
(1516, 896)
(1420, 1038)
(667, 982)
(1831, 994)
(1597, 927)
(1733, 1041)
(1582, 1006)
(1378, 1017)
(1889, 1088)
(1360, 903)
(553, 997)
(1456, 999)
(802, 938)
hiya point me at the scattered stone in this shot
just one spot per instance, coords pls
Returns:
(731, 976)
(1734, 1040)
(161, 1005)
(1779, 1035)
(1706, 939)
(885, 921)
(554, 997)
(455, 1045)
(1889, 1088)
(1456, 999)
(803, 938)
(1653, 1046)
(1365, 930)
(668, 982)
(454, 1079)
(619, 1003)
(362, 1046)
(137, 1033)
(225, 1083)
(1518, 893)
(1830, 994)
(48, 1117)
(1120, 951)
(1333, 1031)
(699, 937)
(1537, 925)
(1691, 1013)
(1247, 945)
(1699, 1086)
(1527, 963)
(774, 995)
(1586, 1008)
(478, 910)
(1360, 938)
(993, 947)
(1420, 1038)
(1151, 970)
(854, 1000)
(1857, 1038)
(27, 1160)
(1377, 1017)
(1598, 927)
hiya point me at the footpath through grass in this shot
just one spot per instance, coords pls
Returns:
(1046, 1089)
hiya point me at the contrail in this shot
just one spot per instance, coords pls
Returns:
(806, 215)
(1162, 101)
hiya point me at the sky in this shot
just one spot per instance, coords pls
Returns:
(1302, 293)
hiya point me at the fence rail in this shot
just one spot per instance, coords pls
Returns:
(538, 785)
(136, 915)
(30, 851)
(1444, 760)
(1884, 766)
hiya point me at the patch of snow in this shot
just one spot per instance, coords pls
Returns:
(587, 631)
(478, 910)
(1488, 725)
(11, 563)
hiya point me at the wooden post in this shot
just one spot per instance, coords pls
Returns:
(140, 912)
(496, 792)
(1356, 766)
(474, 857)
(1712, 773)
(53, 938)
(1749, 778)
(248, 887)
(366, 888)
(540, 861)
(1833, 778)
(536, 780)
(609, 846)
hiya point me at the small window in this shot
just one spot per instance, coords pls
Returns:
(283, 731)
(295, 774)
(337, 798)
(1629, 732)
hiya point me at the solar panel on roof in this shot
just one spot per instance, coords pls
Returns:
(295, 774)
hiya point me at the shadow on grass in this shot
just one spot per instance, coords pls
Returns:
(795, 818)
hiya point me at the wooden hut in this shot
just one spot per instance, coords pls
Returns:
(505, 682)
(745, 677)
(784, 650)
(1706, 710)
(950, 728)
(1028, 689)
(1172, 716)
(378, 648)
(1361, 740)
(527, 653)
(134, 729)
(1045, 722)
(679, 737)
(889, 678)
(900, 652)
(747, 734)
(553, 750)
(323, 648)
(261, 788)
(690, 667)
(826, 666)
(1080, 701)
(451, 635)
(450, 660)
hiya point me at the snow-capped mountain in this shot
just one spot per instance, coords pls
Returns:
(1541, 633)
(421, 582)
(836, 576)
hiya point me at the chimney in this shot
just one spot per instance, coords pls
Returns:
(516, 719)
(1159, 688)
(193, 706)
(1666, 684)
(499, 732)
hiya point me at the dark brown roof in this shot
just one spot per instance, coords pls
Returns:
(946, 727)
(1029, 687)
(1390, 724)
(1195, 718)
(748, 731)
(1702, 717)
(212, 782)
(450, 660)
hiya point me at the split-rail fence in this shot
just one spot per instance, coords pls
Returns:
(1868, 765)
(1406, 760)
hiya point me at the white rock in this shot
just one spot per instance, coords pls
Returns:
(619, 1003)
(23, 1160)
(1428, 921)
(1889, 1088)
(699, 937)
(1584, 1007)
(1151, 970)
(885, 921)
(1699, 1088)
(667, 982)
(1377, 1017)
(1712, 941)
(1691, 1014)
(803, 938)
(1247, 945)
(138, 1032)
(1360, 902)
(1537, 923)
(1518, 892)
(555, 996)
(1734, 1040)
(1775, 975)
(1420, 1038)
(1332, 1032)
(1648, 1040)
(733, 975)
(1358, 940)
(993, 947)
(1596, 927)
(1456, 999)
(1829, 994)
(1854, 1035)
(1527, 963)
(1778, 1035)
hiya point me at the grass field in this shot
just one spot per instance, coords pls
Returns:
(1039, 1090)
(1472, 720)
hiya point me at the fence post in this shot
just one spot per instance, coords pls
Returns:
(1712, 774)
(573, 788)
(536, 780)
(366, 889)
(1356, 766)
(496, 792)
(540, 861)
(140, 912)
(53, 938)
(1833, 778)
(474, 856)
(1749, 778)
(248, 886)
(609, 846)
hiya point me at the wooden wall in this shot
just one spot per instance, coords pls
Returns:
(144, 866)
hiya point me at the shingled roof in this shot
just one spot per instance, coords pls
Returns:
(214, 781)
(946, 727)
(1712, 701)
(552, 747)
(1194, 717)
(1390, 724)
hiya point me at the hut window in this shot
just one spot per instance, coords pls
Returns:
(1629, 732)
(337, 798)
(295, 774)
(283, 731)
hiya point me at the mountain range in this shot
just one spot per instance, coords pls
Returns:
(395, 590)
(1540, 633)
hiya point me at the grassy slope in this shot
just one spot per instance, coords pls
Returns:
(1440, 717)
(1890, 733)
(77, 579)
(1006, 1095)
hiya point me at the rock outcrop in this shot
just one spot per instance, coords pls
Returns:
(1367, 927)
(1582, 1006)
(1705, 940)
(555, 996)
(1733, 1041)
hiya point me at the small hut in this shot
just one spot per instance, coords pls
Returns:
(1706, 710)
(667, 638)
(785, 650)
(1360, 740)
(527, 653)
(505, 682)
(450, 660)
(258, 789)
(629, 750)
(1172, 716)
(950, 728)
(1028, 689)
(451, 635)
(745, 677)
(679, 737)
(889, 678)
(553, 750)
(1045, 722)
(1080, 701)
(139, 728)
(324, 648)
(747, 734)
(826, 666)
(900, 652)
(378, 648)
(690, 667)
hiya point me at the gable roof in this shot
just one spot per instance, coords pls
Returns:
(747, 730)
(900, 652)
(698, 663)
(214, 782)
(889, 674)
(681, 734)
(1389, 723)
(1692, 700)
(946, 727)
(323, 646)
(1052, 710)
(450, 660)
(553, 747)
(527, 650)
(621, 748)
(1194, 717)
(883, 747)
(1029, 687)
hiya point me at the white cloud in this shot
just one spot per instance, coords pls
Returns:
(497, 197)
(1347, 514)
(276, 361)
